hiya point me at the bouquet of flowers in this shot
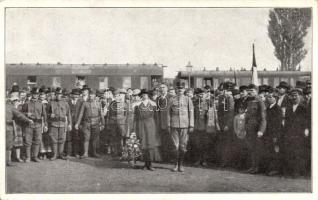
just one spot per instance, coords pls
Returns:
(131, 151)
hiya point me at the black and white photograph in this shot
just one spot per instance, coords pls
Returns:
(163, 99)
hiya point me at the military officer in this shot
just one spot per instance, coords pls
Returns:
(59, 120)
(116, 120)
(225, 118)
(162, 105)
(35, 111)
(200, 136)
(255, 125)
(12, 114)
(92, 121)
(180, 121)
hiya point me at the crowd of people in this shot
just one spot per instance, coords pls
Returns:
(258, 129)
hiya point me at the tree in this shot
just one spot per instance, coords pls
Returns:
(287, 28)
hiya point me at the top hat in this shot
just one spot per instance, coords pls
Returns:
(58, 90)
(35, 90)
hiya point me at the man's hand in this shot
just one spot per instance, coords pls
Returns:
(69, 127)
(52, 115)
(191, 129)
(306, 132)
(226, 128)
(76, 126)
(31, 121)
(275, 140)
(259, 134)
(45, 129)
(102, 127)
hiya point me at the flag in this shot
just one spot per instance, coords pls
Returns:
(254, 70)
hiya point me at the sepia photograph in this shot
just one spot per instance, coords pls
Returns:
(158, 100)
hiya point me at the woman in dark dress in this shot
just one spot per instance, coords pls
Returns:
(146, 130)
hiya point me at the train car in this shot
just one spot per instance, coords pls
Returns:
(99, 76)
(214, 77)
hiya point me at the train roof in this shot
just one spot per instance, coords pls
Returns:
(84, 69)
(215, 73)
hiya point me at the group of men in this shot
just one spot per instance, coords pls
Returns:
(257, 128)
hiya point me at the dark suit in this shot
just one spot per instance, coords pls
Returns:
(272, 136)
(294, 139)
(74, 141)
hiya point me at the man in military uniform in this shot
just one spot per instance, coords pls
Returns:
(162, 105)
(75, 104)
(116, 120)
(255, 125)
(92, 121)
(35, 111)
(180, 121)
(225, 118)
(60, 120)
(200, 136)
(12, 114)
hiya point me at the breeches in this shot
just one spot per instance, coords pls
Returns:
(179, 138)
(57, 135)
(33, 136)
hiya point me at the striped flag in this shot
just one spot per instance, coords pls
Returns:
(254, 70)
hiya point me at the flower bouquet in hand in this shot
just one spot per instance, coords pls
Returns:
(131, 151)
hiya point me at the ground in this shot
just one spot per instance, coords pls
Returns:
(106, 175)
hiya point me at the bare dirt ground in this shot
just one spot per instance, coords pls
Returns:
(105, 175)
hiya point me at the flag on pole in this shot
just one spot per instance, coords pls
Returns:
(254, 70)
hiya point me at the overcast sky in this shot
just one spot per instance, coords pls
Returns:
(208, 37)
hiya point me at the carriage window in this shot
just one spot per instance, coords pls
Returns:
(144, 82)
(199, 82)
(276, 82)
(215, 83)
(292, 82)
(103, 82)
(31, 80)
(56, 81)
(126, 82)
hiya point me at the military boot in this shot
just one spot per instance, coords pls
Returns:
(54, 149)
(27, 154)
(86, 145)
(9, 163)
(61, 150)
(35, 152)
(180, 162)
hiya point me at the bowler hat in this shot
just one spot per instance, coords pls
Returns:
(15, 88)
(252, 86)
(283, 84)
(307, 90)
(58, 90)
(263, 88)
(179, 85)
(35, 90)
(235, 92)
(243, 87)
(296, 90)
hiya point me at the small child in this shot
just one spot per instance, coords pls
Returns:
(240, 143)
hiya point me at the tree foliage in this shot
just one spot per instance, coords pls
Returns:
(287, 28)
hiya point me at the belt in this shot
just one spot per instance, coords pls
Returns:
(58, 119)
(37, 120)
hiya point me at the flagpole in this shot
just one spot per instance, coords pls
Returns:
(254, 70)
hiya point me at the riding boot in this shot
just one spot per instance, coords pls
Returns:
(61, 150)
(180, 162)
(86, 145)
(54, 151)
(35, 152)
(27, 154)
(8, 155)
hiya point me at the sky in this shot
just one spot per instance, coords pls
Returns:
(206, 37)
